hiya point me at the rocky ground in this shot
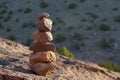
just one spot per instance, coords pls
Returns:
(14, 66)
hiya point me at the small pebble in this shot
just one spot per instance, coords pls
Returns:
(43, 15)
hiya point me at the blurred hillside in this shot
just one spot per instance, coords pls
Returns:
(88, 28)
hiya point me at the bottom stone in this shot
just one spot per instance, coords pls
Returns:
(42, 68)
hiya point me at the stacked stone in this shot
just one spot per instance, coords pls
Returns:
(42, 58)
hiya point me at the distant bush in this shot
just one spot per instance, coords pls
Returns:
(10, 12)
(90, 27)
(83, 20)
(115, 29)
(72, 6)
(25, 24)
(1, 16)
(43, 4)
(3, 11)
(7, 18)
(93, 15)
(76, 46)
(104, 19)
(64, 51)
(59, 38)
(104, 27)
(106, 42)
(28, 10)
(78, 35)
(8, 29)
(65, 1)
(12, 37)
(115, 9)
(82, 1)
(96, 5)
(59, 20)
(70, 28)
(16, 20)
(117, 18)
(110, 65)
(1, 25)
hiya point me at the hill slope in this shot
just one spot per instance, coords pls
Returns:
(78, 21)
(14, 66)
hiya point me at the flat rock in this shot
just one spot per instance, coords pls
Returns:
(43, 68)
(38, 47)
(42, 37)
(45, 57)
(44, 24)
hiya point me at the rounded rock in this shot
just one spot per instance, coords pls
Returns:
(44, 25)
(42, 37)
(43, 68)
(38, 47)
(45, 57)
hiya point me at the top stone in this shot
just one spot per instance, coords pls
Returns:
(43, 15)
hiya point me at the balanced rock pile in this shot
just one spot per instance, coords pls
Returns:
(42, 58)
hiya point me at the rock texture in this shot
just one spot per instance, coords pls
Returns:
(42, 57)
(14, 60)
(37, 47)
(46, 57)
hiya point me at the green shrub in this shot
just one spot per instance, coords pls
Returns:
(43, 4)
(104, 27)
(115, 29)
(110, 65)
(72, 6)
(65, 1)
(70, 28)
(96, 5)
(3, 11)
(10, 12)
(117, 18)
(64, 51)
(59, 20)
(115, 9)
(78, 35)
(89, 27)
(82, 1)
(1, 16)
(59, 38)
(16, 20)
(25, 24)
(12, 37)
(7, 18)
(1, 25)
(28, 10)
(76, 46)
(106, 42)
(104, 19)
(93, 15)
(83, 20)
(8, 29)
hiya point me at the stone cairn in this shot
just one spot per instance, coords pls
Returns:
(42, 58)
